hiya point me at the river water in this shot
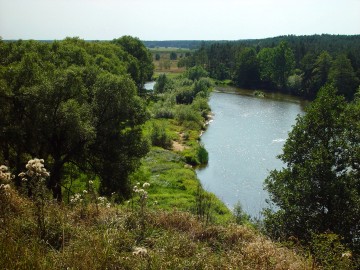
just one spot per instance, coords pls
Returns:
(243, 140)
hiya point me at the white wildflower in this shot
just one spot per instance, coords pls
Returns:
(146, 184)
(140, 251)
(3, 168)
(346, 255)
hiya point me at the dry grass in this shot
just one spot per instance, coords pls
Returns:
(86, 237)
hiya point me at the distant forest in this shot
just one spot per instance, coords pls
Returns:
(298, 65)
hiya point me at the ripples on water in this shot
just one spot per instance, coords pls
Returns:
(246, 135)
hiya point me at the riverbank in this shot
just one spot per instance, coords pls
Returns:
(176, 151)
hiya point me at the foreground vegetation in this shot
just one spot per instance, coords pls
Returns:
(86, 235)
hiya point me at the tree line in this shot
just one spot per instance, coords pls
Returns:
(74, 103)
(296, 65)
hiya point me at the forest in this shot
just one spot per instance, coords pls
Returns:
(299, 65)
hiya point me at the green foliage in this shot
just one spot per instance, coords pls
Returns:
(185, 113)
(72, 101)
(342, 75)
(159, 136)
(195, 73)
(203, 155)
(141, 59)
(240, 215)
(320, 72)
(318, 190)
(274, 63)
(173, 56)
(247, 69)
(330, 253)
(163, 84)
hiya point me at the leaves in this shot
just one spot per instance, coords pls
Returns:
(318, 191)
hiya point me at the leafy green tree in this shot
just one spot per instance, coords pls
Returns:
(141, 67)
(306, 66)
(247, 69)
(173, 56)
(266, 58)
(71, 110)
(319, 190)
(343, 76)
(157, 57)
(319, 74)
(195, 73)
(283, 64)
(119, 143)
(163, 84)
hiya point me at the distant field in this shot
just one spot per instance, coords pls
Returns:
(169, 50)
(165, 64)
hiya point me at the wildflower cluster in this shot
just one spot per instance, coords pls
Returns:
(141, 191)
(76, 198)
(5, 178)
(140, 251)
(102, 201)
(35, 168)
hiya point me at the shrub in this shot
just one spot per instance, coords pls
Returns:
(159, 137)
(163, 84)
(187, 113)
(202, 154)
(330, 253)
(195, 73)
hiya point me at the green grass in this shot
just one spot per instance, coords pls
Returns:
(174, 184)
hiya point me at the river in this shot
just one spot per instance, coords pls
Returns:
(243, 140)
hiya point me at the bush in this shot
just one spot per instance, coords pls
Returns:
(185, 96)
(330, 253)
(195, 73)
(159, 137)
(202, 85)
(202, 154)
(163, 110)
(187, 113)
(163, 84)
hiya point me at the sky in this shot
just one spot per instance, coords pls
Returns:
(175, 19)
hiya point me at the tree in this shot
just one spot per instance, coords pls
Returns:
(319, 74)
(195, 73)
(247, 69)
(119, 142)
(319, 190)
(163, 84)
(68, 110)
(343, 76)
(283, 64)
(141, 67)
(266, 58)
(173, 56)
